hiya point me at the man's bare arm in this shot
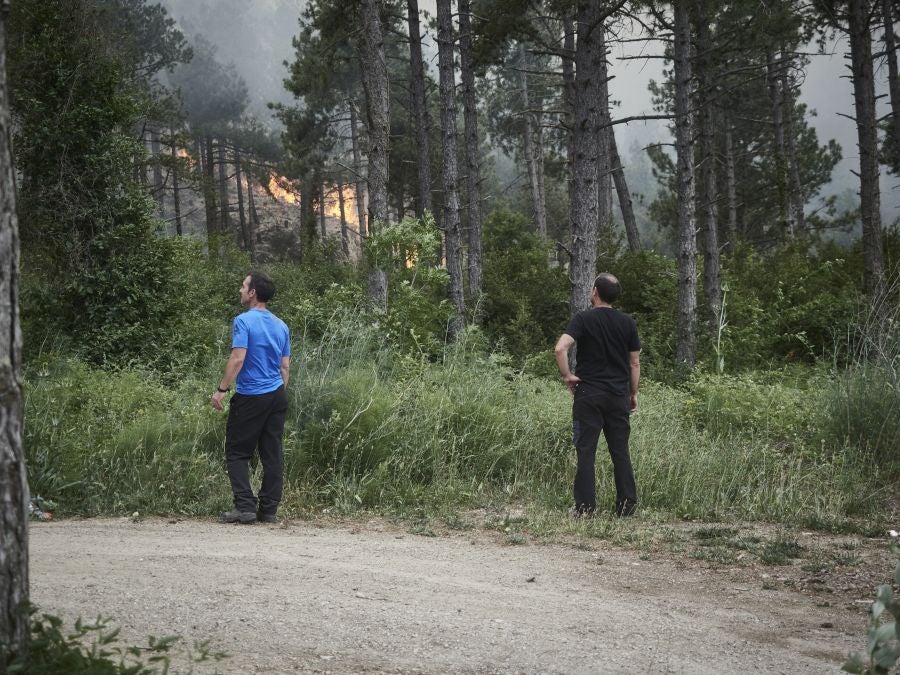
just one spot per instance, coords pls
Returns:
(232, 368)
(285, 369)
(635, 358)
(561, 351)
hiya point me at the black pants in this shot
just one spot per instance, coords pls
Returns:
(593, 412)
(256, 422)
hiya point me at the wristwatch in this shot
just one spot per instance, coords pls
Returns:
(222, 391)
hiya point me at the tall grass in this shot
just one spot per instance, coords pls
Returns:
(863, 399)
(371, 429)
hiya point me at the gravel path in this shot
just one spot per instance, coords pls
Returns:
(307, 598)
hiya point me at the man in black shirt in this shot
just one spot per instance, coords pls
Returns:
(604, 387)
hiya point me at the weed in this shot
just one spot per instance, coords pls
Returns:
(781, 550)
(515, 539)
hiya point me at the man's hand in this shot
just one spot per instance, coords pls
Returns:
(216, 400)
(571, 381)
(633, 403)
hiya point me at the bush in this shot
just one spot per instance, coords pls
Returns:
(372, 427)
(525, 306)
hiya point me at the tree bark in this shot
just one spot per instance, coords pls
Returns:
(253, 217)
(709, 193)
(604, 183)
(360, 183)
(209, 192)
(890, 49)
(420, 109)
(781, 179)
(686, 339)
(730, 186)
(449, 173)
(568, 75)
(375, 82)
(176, 197)
(224, 206)
(14, 496)
(532, 159)
(626, 204)
(588, 102)
(797, 222)
(158, 186)
(238, 177)
(864, 101)
(323, 233)
(345, 235)
(473, 165)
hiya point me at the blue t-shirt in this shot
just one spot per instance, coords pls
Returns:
(266, 339)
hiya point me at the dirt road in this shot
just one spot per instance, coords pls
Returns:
(302, 598)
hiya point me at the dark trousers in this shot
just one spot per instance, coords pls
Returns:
(593, 412)
(256, 422)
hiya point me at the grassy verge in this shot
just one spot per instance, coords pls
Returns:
(369, 430)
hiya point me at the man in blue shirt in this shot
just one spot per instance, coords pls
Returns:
(260, 362)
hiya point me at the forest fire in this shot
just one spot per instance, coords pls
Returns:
(277, 190)
(333, 206)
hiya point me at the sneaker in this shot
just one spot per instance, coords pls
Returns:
(235, 516)
(266, 517)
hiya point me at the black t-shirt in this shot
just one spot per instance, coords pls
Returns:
(604, 336)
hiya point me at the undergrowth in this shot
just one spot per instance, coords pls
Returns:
(369, 429)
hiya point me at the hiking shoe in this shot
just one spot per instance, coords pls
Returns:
(266, 518)
(235, 516)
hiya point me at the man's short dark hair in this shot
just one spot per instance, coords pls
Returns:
(608, 287)
(263, 285)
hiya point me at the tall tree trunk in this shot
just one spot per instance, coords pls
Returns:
(224, 206)
(473, 165)
(14, 496)
(420, 109)
(568, 94)
(360, 183)
(345, 235)
(589, 55)
(453, 245)
(209, 191)
(864, 101)
(686, 339)
(323, 232)
(890, 50)
(375, 82)
(709, 193)
(529, 129)
(158, 185)
(253, 216)
(604, 183)
(776, 100)
(626, 205)
(730, 186)
(797, 221)
(176, 197)
(239, 179)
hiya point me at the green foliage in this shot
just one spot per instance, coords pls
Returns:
(371, 426)
(418, 311)
(649, 294)
(525, 307)
(53, 650)
(862, 398)
(762, 404)
(882, 651)
(79, 81)
(790, 304)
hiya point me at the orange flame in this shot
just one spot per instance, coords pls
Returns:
(276, 187)
(333, 207)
